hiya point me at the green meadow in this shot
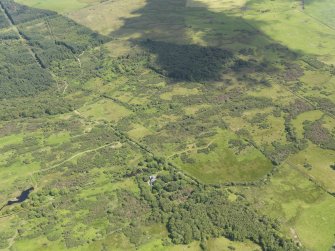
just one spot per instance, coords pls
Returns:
(62, 6)
(300, 205)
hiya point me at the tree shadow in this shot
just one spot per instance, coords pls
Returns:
(45, 29)
(19, 13)
(196, 44)
(187, 62)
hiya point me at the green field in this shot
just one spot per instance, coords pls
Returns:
(224, 163)
(59, 6)
(300, 205)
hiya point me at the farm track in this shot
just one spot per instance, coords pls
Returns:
(191, 149)
(75, 156)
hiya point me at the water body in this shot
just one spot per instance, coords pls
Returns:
(23, 196)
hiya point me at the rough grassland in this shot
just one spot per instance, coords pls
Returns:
(105, 22)
(300, 206)
(299, 26)
(320, 161)
(223, 164)
(59, 5)
(104, 110)
(216, 130)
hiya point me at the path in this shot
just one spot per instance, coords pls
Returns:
(78, 58)
(49, 28)
(112, 145)
(12, 240)
(295, 236)
(114, 231)
(192, 149)
(65, 87)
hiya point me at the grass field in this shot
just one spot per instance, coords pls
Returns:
(178, 92)
(104, 110)
(61, 6)
(104, 22)
(320, 161)
(299, 205)
(276, 15)
(321, 11)
(223, 164)
(139, 131)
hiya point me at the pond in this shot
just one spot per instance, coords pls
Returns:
(21, 198)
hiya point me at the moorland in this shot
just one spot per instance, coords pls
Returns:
(230, 105)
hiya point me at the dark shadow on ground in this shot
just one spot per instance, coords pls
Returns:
(188, 62)
(227, 42)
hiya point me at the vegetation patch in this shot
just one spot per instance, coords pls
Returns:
(225, 161)
(319, 135)
(105, 110)
(166, 125)
(187, 62)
